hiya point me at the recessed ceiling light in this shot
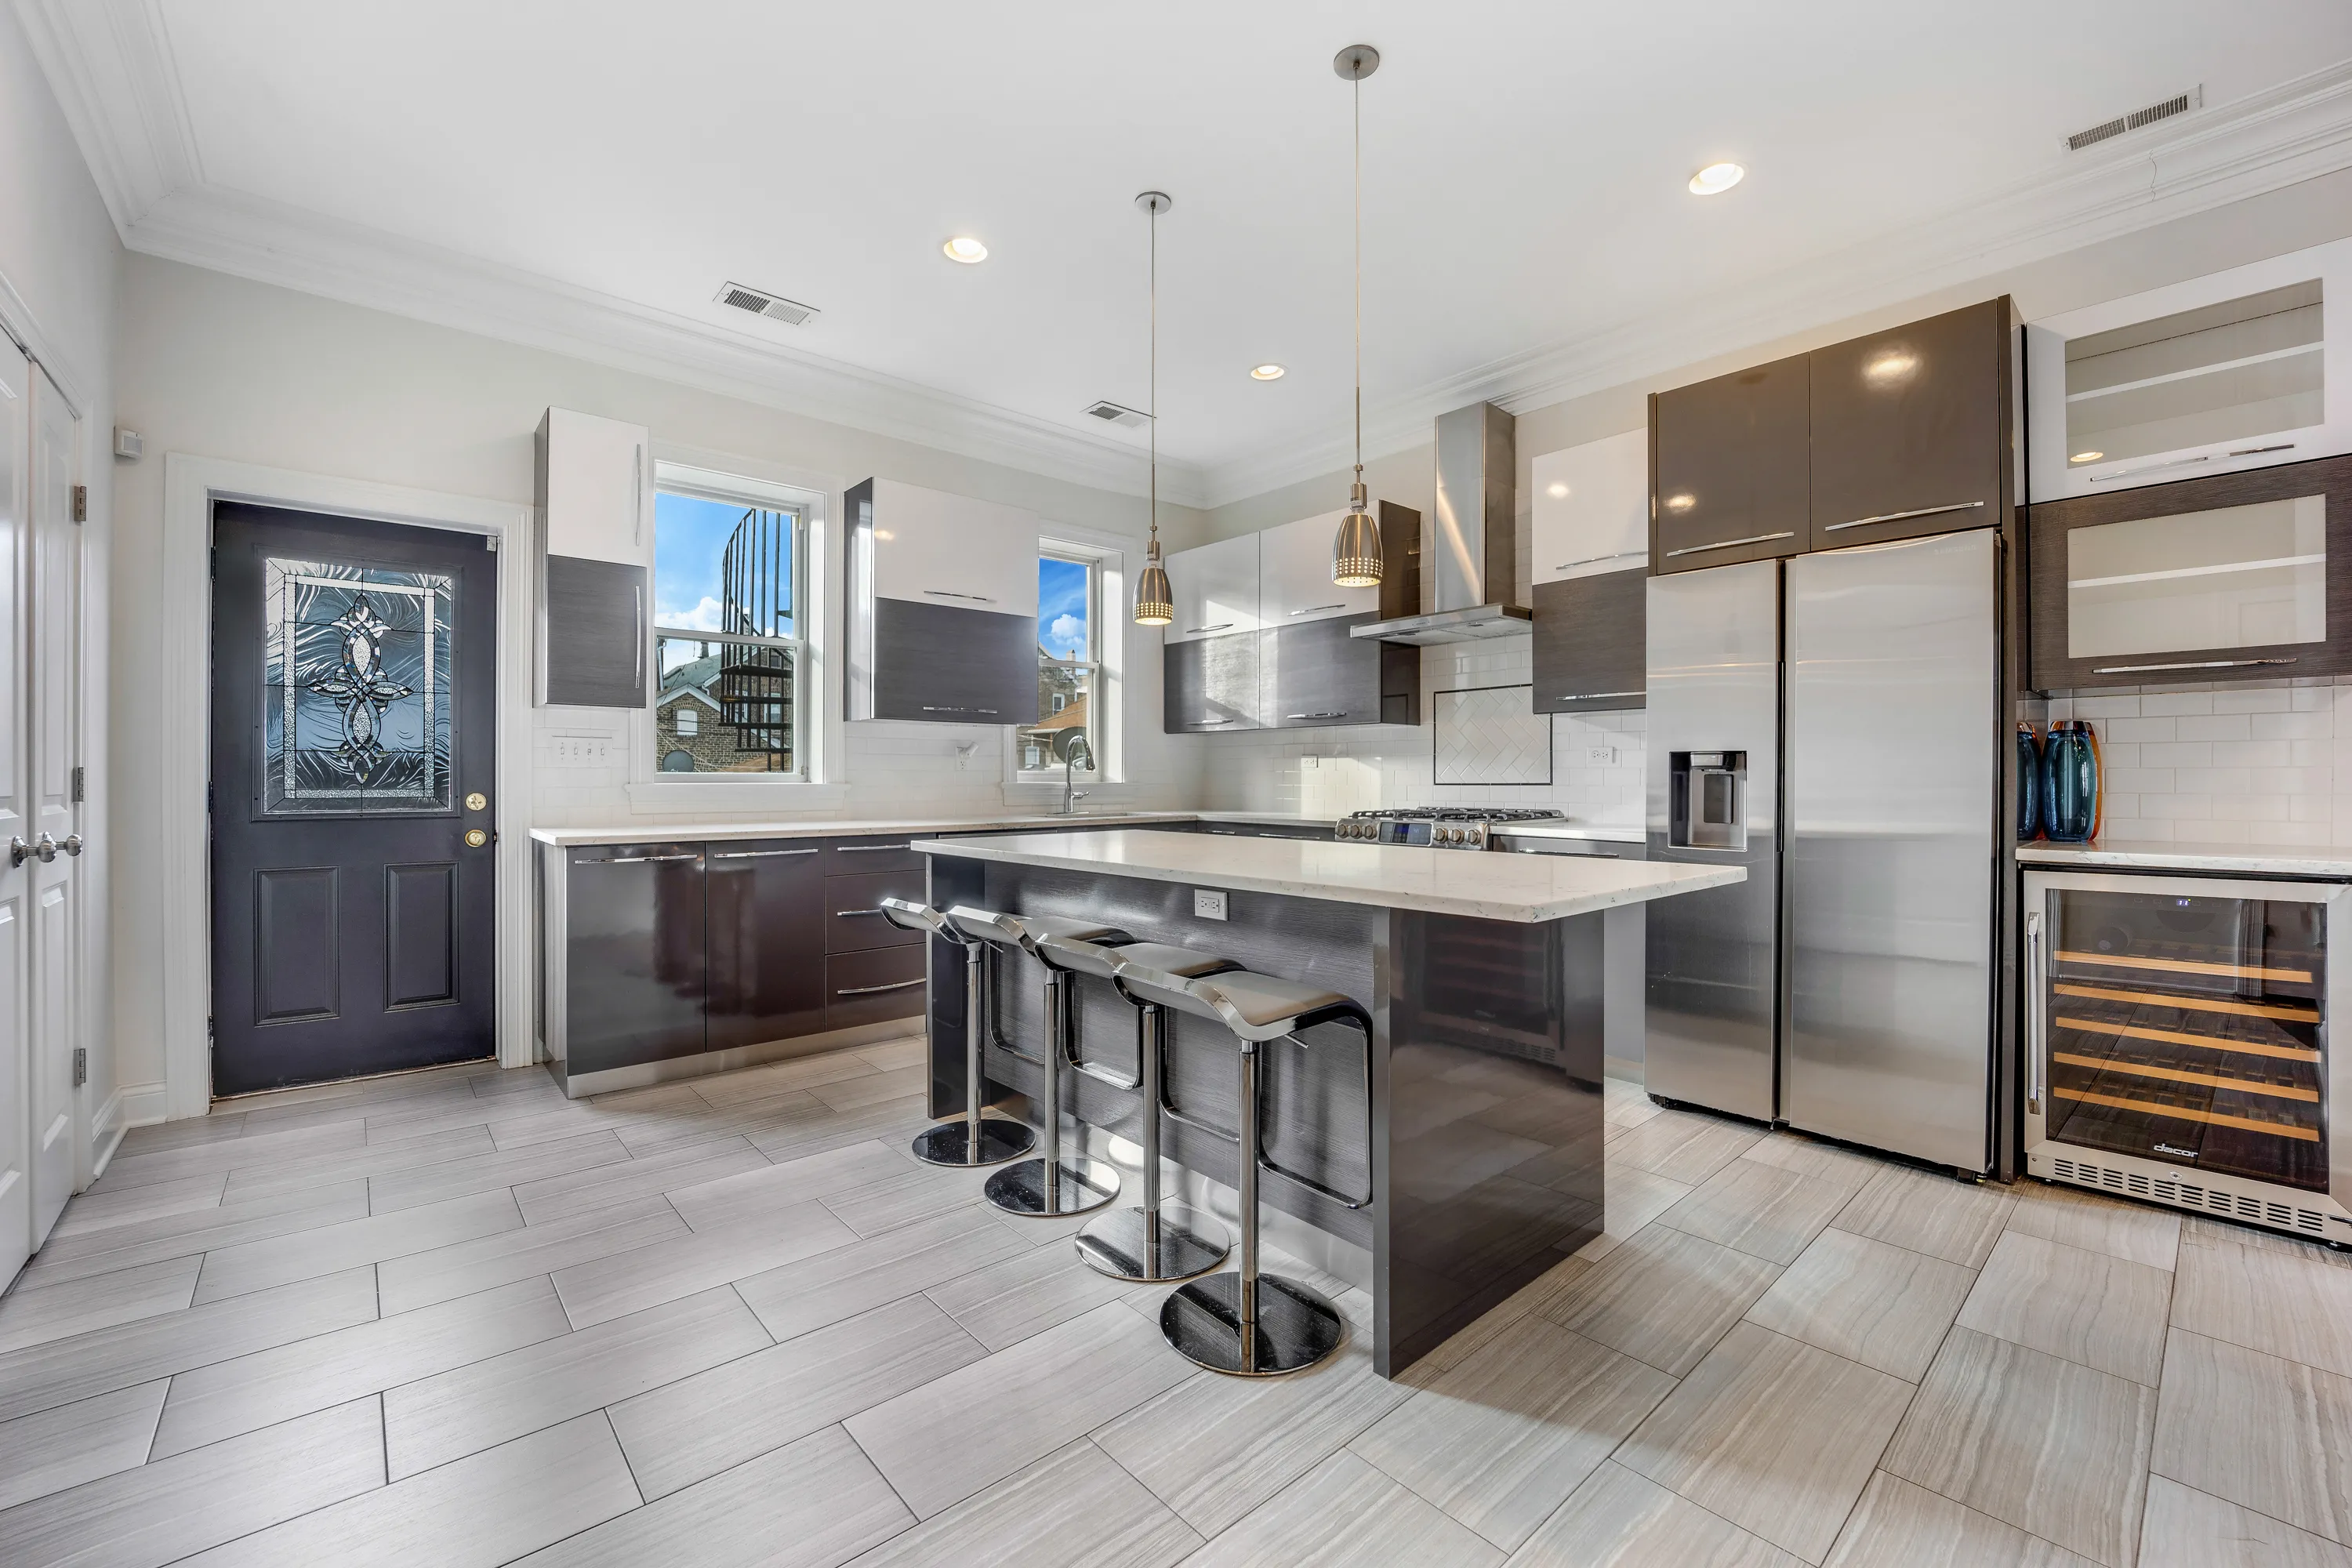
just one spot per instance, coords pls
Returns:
(1556, 490)
(1717, 178)
(2086, 457)
(966, 250)
(1266, 373)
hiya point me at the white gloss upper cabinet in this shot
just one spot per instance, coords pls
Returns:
(1591, 508)
(2240, 369)
(1294, 575)
(1216, 588)
(932, 548)
(595, 488)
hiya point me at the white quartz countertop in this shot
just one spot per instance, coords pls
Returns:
(842, 827)
(1483, 885)
(2151, 855)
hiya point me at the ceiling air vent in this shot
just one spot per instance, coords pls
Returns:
(1114, 414)
(2179, 105)
(775, 306)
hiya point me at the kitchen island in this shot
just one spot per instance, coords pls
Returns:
(1483, 975)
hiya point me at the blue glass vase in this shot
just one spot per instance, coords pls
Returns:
(2070, 783)
(2029, 783)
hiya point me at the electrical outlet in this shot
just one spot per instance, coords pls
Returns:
(580, 750)
(1600, 756)
(1208, 906)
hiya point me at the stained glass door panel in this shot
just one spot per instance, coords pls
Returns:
(356, 705)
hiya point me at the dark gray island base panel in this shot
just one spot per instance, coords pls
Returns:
(1485, 1162)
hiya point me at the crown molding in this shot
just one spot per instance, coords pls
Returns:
(2296, 130)
(110, 64)
(270, 242)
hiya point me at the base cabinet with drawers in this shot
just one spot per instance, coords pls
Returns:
(663, 960)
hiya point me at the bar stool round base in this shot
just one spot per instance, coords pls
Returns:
(1081, 1187)
(1296, 1327)
(1119, 1244)
(949, 1144)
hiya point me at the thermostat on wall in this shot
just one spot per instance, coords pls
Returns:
(128, 443)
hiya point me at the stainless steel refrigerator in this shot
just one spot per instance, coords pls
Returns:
(1831, 722)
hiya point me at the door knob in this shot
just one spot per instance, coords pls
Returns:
(71, 844)
(17, 850)
(45, 848)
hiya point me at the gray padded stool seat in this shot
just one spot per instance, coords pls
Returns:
(1249, 1323)
(1158, 1241)
(1048, 1186)
(974, 1138)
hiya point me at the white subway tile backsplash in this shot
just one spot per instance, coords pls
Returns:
(2176, 755)
(2291, 726)
(2259, 699)
(2217, 727)
(2161, 704)
(2135, 729)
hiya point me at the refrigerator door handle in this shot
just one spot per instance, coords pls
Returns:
(2036, 1007)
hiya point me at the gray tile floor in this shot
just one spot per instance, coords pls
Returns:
(455, 1318)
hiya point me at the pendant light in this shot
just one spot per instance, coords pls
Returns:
(1356, 550)
(1155, 602)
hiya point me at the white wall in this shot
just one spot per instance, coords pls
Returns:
(59, 262)
(221, 367)
(1260, 770)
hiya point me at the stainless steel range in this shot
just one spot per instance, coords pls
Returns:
(1439, 826)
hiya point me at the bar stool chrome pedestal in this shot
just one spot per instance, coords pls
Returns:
(1249, 1323)
(974, 1138)
(1049, 1186)
(1160, 1241)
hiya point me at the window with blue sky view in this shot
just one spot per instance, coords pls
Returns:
(1063, 606)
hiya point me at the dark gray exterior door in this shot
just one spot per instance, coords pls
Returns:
(353, 734)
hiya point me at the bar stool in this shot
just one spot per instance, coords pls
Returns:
(1049, 1186)
(973, 1138)
(1159, 1241)
(1248, 1323)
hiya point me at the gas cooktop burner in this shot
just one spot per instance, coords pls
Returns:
(1438, 827)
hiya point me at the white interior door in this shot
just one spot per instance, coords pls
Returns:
(54, 899)
(16, 1230)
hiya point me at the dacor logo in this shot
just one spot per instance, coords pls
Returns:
(2176, 1153)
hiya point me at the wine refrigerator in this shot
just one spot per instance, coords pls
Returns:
(2178, 1047)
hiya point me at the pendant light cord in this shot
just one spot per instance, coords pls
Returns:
(1154, 213)
(1360, 287)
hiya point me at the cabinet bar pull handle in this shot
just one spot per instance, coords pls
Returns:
(1592, 696)
(1621, 555)
(928, 709)
(864, 848)
(1342, 713)
(1312, 610)
(1195, 631)
(756, 853)
(844, 915)
(637, 596)
(1899, 516)
(870, 990)
(1733, 543)
(640, 859)
(2199, 664)
(950, 593)
(1204, 723)
(2037, 1004)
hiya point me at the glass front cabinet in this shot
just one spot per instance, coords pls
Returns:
(2177, 1043)
(2235, 577)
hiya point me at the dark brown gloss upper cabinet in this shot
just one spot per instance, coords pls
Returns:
(2231, 577)
(1319, 675)
(1728, 468)
(1209, 685)
(1908, 429)
(1590, 643)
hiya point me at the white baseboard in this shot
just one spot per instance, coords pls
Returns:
(132, 1105)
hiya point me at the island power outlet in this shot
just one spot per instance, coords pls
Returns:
(1208, 906)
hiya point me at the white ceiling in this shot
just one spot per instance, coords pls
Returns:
(1526, 229)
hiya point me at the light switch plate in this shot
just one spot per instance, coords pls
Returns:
(1208, 906)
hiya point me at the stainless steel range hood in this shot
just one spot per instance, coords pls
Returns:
(1475, 559)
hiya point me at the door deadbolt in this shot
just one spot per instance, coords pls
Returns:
(476, 838)
(477, 801)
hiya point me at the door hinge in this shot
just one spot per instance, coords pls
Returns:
(78, 786)
(81, 503)
(81, 1066)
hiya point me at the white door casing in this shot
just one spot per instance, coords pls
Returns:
(54, 899)
(17, 1229)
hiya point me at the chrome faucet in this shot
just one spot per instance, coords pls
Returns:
(1071, 795)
